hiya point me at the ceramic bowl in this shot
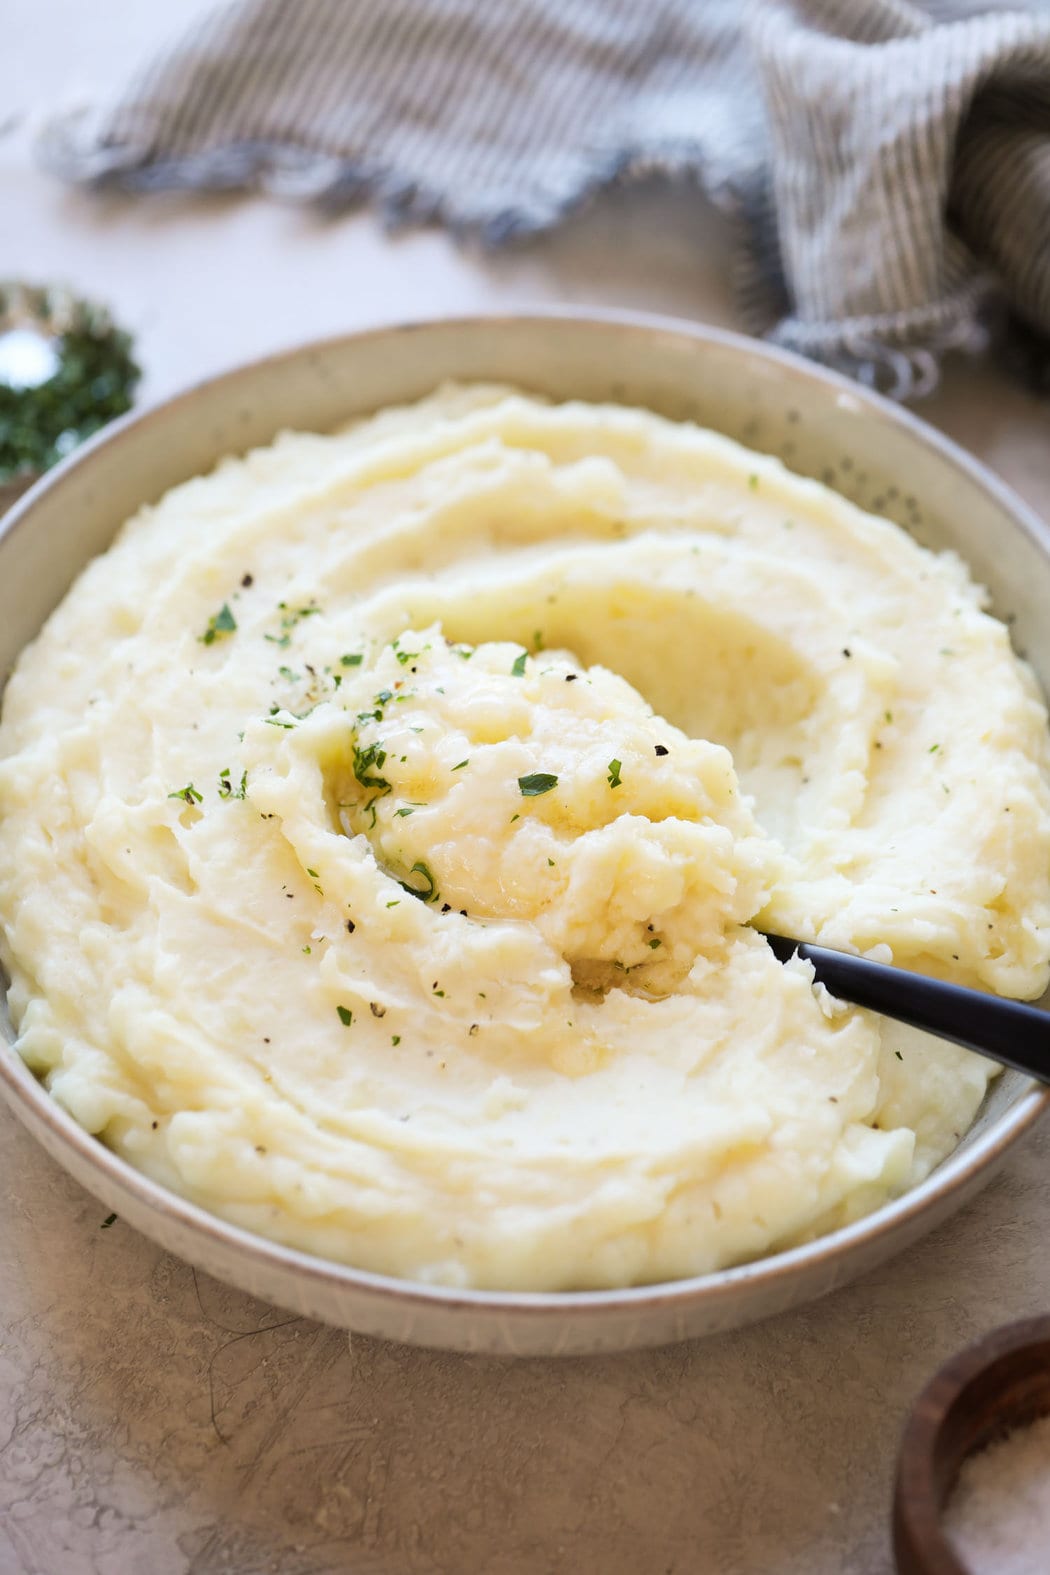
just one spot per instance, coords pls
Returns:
(820, 425)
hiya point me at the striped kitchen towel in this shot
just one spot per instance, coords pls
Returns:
(886, 165)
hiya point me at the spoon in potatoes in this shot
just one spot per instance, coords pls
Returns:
(1012, 1032)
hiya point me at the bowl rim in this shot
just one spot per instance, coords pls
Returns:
(32, 1103)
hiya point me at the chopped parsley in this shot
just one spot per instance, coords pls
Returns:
(226, 787)
(346, 1016)
(654, 943)
(352, 659)
(424, 893)
(222, 622)
(188, 794)
(291, 616)
(934, 748)
(404, 657)
(518, 669)
(395, 1039)
(462, 764)
(614, 773)
(368, 761)
(537, 782)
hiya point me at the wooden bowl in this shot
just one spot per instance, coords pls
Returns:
(1001, 1383)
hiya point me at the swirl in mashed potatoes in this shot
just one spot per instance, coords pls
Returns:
(382, 820)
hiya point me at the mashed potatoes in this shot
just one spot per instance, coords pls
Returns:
(381, 819)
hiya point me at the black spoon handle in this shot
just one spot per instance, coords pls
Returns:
(1008, 1031)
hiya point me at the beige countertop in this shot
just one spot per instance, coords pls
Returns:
(153, 1422)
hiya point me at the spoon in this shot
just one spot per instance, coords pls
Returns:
(1007, 1031)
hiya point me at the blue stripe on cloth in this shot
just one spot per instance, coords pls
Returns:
(886, 165)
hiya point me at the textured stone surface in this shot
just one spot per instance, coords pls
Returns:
(156, 1423)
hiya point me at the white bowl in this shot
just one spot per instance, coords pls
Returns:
(821, 425)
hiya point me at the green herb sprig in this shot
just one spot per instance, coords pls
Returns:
(226, 787)
(188, 794)
(221, 623)
(537, 782)
(93, 379)
(425, 893)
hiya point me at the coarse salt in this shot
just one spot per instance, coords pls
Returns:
(998, 1518)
